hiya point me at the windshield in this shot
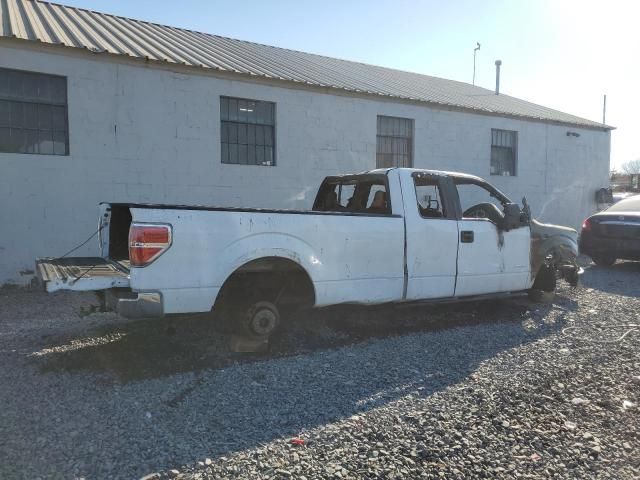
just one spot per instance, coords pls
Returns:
(631, 204)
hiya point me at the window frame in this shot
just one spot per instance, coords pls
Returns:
(514, 150)
(38, 102)
(227, 121)
(493, 192)
(448, 209)
(411, 139)
(336, 182)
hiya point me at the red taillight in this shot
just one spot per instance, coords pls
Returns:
(147, 242)
(586, 225)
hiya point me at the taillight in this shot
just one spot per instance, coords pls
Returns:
(147, 242)
(586, 225)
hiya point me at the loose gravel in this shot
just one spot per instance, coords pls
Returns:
(500, 389)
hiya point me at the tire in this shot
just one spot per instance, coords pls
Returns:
(604, 260)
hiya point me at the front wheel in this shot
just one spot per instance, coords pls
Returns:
(603, 260)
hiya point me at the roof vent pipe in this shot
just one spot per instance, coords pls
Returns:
(498, 63)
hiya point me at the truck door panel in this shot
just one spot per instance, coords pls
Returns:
(480, 261)
(517, 261)
(490, 260)
(432, 238)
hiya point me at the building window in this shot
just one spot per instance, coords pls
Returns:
(247, 131)
(504, 152)
(394, 142)
(33, 113)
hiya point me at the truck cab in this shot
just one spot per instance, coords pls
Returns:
(463, 236)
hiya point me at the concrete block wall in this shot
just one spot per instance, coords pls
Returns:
(142, 133)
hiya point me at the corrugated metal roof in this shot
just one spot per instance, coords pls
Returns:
(52, 23)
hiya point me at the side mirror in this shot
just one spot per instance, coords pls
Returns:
(511, 218)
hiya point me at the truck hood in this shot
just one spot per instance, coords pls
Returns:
(545, 230)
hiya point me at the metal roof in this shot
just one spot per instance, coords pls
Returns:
(51, 23)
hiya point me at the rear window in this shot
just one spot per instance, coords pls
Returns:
(356, 195)
(631, 204)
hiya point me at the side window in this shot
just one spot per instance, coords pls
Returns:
(430, 203)
(354, 195)
(477, 202)
(378, 199)
(346, 194)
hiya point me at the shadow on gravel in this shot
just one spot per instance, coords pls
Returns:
(617, 279)
(145, 348)
(259, 398)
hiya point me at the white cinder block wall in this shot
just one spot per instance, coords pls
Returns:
(141, 133)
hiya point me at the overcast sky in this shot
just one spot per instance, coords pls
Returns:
(563, 54)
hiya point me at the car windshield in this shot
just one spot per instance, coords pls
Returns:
(631, 204)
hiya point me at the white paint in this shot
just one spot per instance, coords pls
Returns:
(490, 264)
(354, 258)
(209, 246)
(432, 249)
(140, 133)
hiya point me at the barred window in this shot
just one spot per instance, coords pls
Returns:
(394, 142)
(247, 131)
(33, 113)
(504, 152)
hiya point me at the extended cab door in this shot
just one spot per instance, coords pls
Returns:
(432, 236)
(490, 259)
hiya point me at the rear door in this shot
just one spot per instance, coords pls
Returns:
(432, 236)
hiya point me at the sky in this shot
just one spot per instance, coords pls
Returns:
(563, 54)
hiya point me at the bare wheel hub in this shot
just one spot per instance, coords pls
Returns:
(264, 319)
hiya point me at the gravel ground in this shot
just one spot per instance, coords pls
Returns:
(499, 389)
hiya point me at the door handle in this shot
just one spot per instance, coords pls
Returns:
(466, 236)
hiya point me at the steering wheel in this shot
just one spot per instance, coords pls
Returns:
(484, 210)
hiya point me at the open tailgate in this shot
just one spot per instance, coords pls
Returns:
(82, 273)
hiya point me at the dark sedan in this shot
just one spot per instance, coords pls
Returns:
(613, 233)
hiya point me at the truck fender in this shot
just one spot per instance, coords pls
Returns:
(263, 245)
(564, 249)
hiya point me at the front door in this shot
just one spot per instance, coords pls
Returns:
(490, 260)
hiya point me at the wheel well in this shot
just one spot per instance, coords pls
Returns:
(275, 279)
(545, 278)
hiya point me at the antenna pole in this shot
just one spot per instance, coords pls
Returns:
(604, 110)
(474, 62)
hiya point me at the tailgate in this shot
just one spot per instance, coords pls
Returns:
(82, 273)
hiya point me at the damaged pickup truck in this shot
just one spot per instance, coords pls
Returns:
(388, 235)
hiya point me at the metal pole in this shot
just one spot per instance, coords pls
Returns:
(498, 63)
(604, 110)
(474, 62)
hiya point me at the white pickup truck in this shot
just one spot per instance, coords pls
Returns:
(388, 235)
